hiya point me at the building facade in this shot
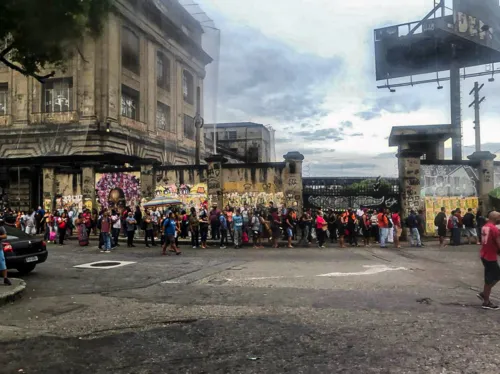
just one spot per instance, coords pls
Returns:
(130, 96)
(249, 141)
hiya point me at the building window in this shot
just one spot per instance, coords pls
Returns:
(188, 86)
(231, 135)
(189, 130)
(162, 116)
(130, 103)
(57, 95)
(4, 98)
(130, 51)
(162, 71)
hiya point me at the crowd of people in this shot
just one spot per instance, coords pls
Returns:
(243, 226)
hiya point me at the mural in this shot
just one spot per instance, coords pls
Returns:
(433, 206)
(496, 177)
(253, 199)
(69, 202)
(355, 202)
(192, 196)
(448, 181)
(118, 190)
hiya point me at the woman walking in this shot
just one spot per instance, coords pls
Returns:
(83, 238)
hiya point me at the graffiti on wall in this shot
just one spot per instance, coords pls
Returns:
(69, 202)
(496, 176)
(253, 199)
(192, 196)
(448, 181)
(118, 190)
(355, 202)
(433, 206)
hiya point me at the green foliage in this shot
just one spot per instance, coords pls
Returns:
(495, 194)
(35, 34)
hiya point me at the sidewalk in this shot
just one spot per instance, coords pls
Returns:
(10, 293)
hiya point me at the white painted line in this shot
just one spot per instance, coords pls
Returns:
(370, 269)
(117, 265)
(171, 282)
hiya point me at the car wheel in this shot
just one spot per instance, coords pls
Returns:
(26, 269)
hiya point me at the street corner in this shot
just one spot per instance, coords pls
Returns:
(11, 293)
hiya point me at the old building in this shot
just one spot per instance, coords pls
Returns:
(248, 141)
(131, 96)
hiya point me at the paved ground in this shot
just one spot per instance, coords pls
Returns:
(253, 311)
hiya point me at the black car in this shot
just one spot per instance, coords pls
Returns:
(22, 251)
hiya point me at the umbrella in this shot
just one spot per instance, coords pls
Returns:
(162, 201)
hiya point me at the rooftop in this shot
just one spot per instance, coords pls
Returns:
(235, 124)
(419, 133)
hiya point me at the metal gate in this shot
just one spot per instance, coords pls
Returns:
(342, 193)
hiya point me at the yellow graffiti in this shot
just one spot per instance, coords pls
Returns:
(433, 206)
(243, 187)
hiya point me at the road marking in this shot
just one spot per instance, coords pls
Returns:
(112, 265)
(370, 269)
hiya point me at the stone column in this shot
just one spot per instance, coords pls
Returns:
(49, 188)
(292, 183)
(486, 173)
(88, 187)
(215, 180)
(148, 182)
(409, 178)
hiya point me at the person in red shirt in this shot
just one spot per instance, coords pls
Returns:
(383, 225)
(490, 245)
(398, 229)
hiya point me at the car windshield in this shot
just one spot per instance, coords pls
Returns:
(13, 232)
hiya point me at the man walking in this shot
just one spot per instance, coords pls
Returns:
(413, 225)
(440, 222)
(470, 226)
(490, 245)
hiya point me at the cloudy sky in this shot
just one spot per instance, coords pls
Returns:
(306, 67)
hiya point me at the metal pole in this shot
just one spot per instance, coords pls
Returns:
(19, 188)
(477, 125)
(456, 112)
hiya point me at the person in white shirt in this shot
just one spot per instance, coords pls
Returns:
(115, 228)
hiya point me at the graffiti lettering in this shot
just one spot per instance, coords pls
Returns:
(448, 181)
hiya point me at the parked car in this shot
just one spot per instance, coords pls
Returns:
(22, 251)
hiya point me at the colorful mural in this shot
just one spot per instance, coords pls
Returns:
(69, 202)
(118, 190)
(192, 196)
(253, 199)
(433, 206)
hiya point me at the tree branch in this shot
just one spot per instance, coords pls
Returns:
(40, 78)
(6, 50)
(81, 55)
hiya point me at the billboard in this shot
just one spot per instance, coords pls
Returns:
(468, 37)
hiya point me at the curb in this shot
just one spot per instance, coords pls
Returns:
(9, 294)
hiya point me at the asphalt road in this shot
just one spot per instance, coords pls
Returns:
(302, 310)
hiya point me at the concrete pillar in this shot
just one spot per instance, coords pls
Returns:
(292, 183)
(486, 173)
(215, 180)
(148, 181)
(48, 188)
(86, 78)
(409, 177)
(88, 187)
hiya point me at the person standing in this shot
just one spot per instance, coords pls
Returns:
(469, 222)
(62, 224)
(275, 220)
(351, 227)
(115, 229)
(223, 230)
(332, 225)
(365, 228)
(440, 222)
(204, 222)
(456, 229)
(374, 229)
(398, 228)
(3, 265)
(155, 217)
(149, 229)
(106, 231)
(238, 228)
(131, 224)
(413, 226)
(256, 229)
(383, 228)
(305, 221)
(138, 218)
(289, 227)
(87, 218)
(490, 245)
(321, 227)
(94, 218)
(194, 228)
(83, 238)
(214, 222)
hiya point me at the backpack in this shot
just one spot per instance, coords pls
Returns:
(450, 223)
(389, 223)
(468, 220)
(437, 219)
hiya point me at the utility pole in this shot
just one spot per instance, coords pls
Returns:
(198, 123)
(476, 103)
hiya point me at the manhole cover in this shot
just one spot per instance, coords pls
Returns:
(102, 264)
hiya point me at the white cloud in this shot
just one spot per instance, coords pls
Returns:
(329, 43)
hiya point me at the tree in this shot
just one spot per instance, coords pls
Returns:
(38, 34)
